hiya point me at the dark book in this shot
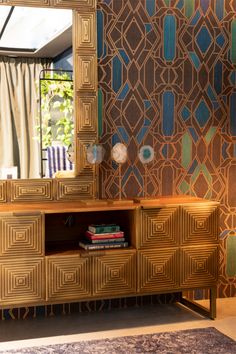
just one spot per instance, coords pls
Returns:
(92, 236)
(96, 246)
(103, 228)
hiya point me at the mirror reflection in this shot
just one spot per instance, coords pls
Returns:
(36, 88)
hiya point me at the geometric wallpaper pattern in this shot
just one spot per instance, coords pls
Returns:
(167, 78)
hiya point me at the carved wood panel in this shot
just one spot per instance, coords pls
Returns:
(85, 27)
(85, 72)
(74, 3)
(74, 189)
(3, 191)
(69, 4)
(27, 2)
(159, 227)
(22, 281)
(68, 278)
(115, 273)
(85, 86)
(199, 224)
(21, 235)
(199, 266)
(158, 270)
(84, 167)
(87, 110)
(28, 190)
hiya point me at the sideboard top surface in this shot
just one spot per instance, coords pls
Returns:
(102, 204)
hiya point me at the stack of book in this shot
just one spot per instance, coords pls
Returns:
(103, 236)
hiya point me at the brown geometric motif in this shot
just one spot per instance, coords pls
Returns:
(202, 79)
(86, 28)
(158, 270)
(25, 190)
(115, 274)
(29, 2)
(73, 3)
(87, 79)
(159, 227)
(22, 281)
(199, 266)
(3, 193)
(21, 235)
(200, 223)
(74, 189)
(68, 278)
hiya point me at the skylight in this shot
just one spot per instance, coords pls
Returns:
(32, 28)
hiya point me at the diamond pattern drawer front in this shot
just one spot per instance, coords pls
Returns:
(199, 225)
(199, 266)
(159, 227)
(68, 278)
(115, 273)
(158, 270)
(22, 281)
(21, 235)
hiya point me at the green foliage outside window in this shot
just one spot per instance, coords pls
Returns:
(57, 110)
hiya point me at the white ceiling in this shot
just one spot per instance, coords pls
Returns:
(35, 32)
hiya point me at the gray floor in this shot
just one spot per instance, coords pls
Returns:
(113, 323)
(94, 322)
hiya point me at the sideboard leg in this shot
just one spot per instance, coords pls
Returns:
(213, 293)
(202, 310)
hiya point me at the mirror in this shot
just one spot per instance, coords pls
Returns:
(85, 82)
(35, 80)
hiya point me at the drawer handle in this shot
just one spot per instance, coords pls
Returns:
(92, 254)
(30, 213)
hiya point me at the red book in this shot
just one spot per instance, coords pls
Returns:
(90, 235)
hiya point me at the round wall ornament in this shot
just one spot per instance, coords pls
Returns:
(119, 153)
(95, 154)
(146, 154)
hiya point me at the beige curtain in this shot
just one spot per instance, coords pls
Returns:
(19, 114)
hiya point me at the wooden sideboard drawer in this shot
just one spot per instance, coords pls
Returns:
(159, 227)
(199, 224)
(199, 266)
(22, 281)
(158, 270)
(68, 277)
(70, 189)
(115, 273)
(31, 190)
(21, 235)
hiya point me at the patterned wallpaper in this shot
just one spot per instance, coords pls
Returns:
(167, 78)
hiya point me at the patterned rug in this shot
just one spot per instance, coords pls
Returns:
(195, 341)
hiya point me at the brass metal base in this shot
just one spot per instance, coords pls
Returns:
(202, 310)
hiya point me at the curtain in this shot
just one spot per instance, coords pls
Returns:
(19, 114)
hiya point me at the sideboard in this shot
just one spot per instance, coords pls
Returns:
(172, 247)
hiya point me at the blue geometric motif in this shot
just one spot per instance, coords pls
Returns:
(195, 59)
(202, 113)
(220, 40)
(185, 113)
(204, 39)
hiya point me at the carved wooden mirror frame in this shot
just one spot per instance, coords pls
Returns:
(84, 185)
